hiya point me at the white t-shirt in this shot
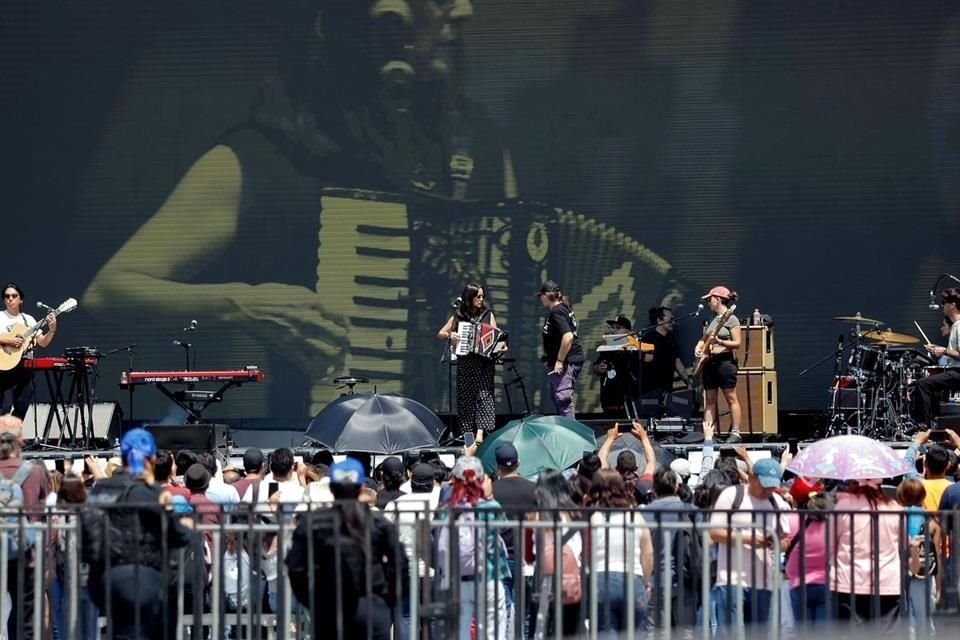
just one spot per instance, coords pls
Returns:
(953, 343)
(406, 512)
(7, 322)
(613, 540)
(752, 561)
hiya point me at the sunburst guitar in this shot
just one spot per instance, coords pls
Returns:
(710, 339)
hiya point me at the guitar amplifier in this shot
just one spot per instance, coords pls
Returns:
(757, 393)
(756, 348)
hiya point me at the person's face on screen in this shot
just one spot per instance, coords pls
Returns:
(418, 37)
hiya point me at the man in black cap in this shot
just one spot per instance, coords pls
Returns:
(253, 470)
(516, 495)
(562, 352)
(618, 373)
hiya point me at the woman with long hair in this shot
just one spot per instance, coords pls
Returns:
(482, 554)
(475, 403)
(719, 372)
(858, 558)
(555, 503)
(623, 553)
(561, 347)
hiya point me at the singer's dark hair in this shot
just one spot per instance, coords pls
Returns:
(15, 286)
(558, 295)
(949, 295)
(656, 314)
(465, 308)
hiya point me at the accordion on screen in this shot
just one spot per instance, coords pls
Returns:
(481, 339)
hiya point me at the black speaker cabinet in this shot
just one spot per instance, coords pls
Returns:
(197, 437)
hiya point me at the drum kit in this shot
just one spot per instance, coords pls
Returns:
(871, 395)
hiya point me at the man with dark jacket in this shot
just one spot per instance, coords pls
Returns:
(132, 586)
(368, 588)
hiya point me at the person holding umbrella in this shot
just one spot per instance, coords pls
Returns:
(563, 354)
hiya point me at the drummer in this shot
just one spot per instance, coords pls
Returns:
(945, 326)
(926, 392)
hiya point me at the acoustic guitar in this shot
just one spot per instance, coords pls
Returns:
(10, 356)
(710, 339)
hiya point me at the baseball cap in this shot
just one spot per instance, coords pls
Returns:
(507, 456)
(622, 321)
(681, 467)
(348, 470)
(719, 291)
(548, 287)
(392, 465)
(422, 472)
(137, 446)
(252, 459)
(768, 472)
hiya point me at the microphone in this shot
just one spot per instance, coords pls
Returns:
(933, 306)
(192, 326)
(180, 343)
(40, 305)
(456, 303)
(699, 309)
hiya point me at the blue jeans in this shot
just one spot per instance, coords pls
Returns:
(816, 610)
(87, 613)
(612, 603)
(726, 599)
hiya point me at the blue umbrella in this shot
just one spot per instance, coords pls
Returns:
(375, 423)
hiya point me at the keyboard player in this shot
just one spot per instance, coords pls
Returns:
(617, 370)
(476, 410)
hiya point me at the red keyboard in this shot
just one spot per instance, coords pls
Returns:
(250, 374)
(53, 362)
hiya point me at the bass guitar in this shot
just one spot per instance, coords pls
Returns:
(11, 356)
(710, 339)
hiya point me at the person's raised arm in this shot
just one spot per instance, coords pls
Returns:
(612, 434)
(650, 460)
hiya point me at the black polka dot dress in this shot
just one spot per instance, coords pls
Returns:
(476, 409)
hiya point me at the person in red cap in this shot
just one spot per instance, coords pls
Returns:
(720, 370)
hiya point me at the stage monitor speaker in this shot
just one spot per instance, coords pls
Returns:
(756, 348)
(197, 437)
(757, 393)
(106, 420)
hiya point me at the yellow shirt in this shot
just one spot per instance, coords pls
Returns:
(935, 489)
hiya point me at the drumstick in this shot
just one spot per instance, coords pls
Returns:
(921, 332)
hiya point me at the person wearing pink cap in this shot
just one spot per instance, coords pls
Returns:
(720, 371)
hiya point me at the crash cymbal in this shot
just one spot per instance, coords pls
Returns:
(857, 319)
(888, 337)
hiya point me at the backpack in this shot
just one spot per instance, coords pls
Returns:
(11, 505)
(687, 549)
(94, 522)
(570, 581)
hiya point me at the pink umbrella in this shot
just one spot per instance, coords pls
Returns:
(849, 458)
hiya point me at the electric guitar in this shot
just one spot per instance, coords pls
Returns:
(11, 356)
(710, 339)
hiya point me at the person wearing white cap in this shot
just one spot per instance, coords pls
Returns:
(720, 370)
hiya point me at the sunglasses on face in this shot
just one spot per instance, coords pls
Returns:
(11, 296)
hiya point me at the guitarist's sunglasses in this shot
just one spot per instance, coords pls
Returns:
(11, 295)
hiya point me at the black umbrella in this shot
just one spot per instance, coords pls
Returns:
(375, 423)
(627, 442)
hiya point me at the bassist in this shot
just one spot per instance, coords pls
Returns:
(15, 387)
(719, 371)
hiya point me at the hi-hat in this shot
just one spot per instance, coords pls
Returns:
(889, 337)
(857, 319)
(349, 381)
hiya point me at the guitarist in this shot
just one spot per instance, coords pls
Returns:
(720, 369)
(15, 387)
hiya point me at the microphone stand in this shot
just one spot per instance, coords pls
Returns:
(638, 334)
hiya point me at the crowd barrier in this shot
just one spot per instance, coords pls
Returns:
(230, 581)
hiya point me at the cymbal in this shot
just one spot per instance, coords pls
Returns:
(889, 337)
(857, 319)
(350, 380)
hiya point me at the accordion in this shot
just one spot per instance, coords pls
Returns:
(481, 339)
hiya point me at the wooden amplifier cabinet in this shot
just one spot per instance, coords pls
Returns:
(756, 348)
(757, 392)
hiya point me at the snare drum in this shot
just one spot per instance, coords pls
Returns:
(866, 363)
